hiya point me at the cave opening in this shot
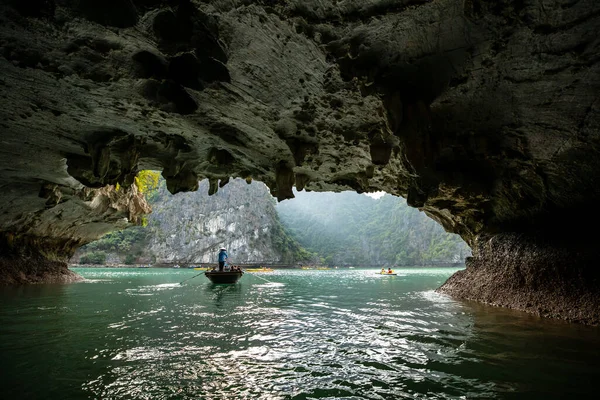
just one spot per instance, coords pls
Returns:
(323, 229)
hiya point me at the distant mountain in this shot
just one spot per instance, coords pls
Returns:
(241, 217)
(354, 229)
(190, 228)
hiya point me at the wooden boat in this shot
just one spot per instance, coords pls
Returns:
(224, 277)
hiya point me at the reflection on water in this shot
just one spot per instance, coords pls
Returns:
(222, 294)
(335, 334)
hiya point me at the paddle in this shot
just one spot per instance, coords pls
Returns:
(259, 277)
(181, 283)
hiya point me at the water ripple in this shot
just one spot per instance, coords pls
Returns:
(304, 335)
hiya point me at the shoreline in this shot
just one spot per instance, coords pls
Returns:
(141, 266)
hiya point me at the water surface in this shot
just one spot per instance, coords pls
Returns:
(290, 334)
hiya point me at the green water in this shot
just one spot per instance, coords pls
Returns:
(334, 334)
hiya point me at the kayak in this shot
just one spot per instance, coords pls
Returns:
(258, 270)
(386, 273)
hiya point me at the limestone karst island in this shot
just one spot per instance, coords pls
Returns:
(299, 199)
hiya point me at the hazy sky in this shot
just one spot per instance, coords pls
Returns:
(375, 195)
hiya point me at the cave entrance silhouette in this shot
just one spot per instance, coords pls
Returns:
(320, 229)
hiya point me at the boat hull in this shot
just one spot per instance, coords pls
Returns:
(223, 277)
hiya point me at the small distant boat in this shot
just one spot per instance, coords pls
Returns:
(386, 273)
(143, 266)
(202, 268)
(176, 266)
(261, 269)
(224, 277)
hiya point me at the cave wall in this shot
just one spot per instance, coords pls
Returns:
(539, 274)
(484, 114)
(35, 247)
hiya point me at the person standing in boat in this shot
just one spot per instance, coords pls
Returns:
(222, 258)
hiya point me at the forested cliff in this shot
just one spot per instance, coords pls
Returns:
(354, 229)
(190, 228)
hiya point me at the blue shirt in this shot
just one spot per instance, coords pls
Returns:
(222, 255)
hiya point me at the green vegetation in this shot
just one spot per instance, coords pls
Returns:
(148, 182)
(287, 245)
(129, 243)
(94, 257)
(351, 229)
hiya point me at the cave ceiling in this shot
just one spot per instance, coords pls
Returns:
(484, 114)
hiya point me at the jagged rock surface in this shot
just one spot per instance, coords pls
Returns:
(191, 227)
(485, 114)
(37, 252)
(540, 276)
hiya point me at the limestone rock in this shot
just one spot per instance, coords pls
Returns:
(545, 277)
(191, 227)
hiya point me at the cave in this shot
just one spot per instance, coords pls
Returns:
(485, 115)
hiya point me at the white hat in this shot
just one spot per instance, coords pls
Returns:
(222, 248)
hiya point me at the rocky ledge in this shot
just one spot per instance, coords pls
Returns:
(37, 252)
(27, 270)
(539, 275)
(483, 114)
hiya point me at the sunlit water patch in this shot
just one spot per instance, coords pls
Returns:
(296, 334)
